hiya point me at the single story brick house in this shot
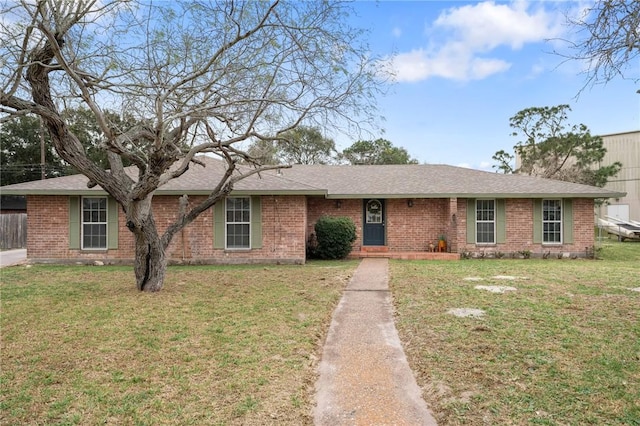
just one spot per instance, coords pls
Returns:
(400, 211)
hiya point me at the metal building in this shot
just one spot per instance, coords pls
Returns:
(625, 148)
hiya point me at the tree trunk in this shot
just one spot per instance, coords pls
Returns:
(150, 261)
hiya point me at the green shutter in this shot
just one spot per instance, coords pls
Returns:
(112, 223)
(256, 222)
(567, 221)
(501, 221)
(218, 224)
(74, 222)
(471, 221)
(537, 221)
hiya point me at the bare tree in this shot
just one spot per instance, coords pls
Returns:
(199, 77)
(608, 40)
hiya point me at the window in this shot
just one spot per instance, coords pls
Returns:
(485, 221)
(238, 223)
(94, 223)
(552, 221)
(374, 212)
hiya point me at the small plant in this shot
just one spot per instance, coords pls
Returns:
(560, 255)
(546, 255)
(465, 255)
(526, 254)
(593, 252)
(334, 237)
(499, 255)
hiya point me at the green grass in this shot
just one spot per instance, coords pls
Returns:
(239, 344)
(217, 346)
(563, 349)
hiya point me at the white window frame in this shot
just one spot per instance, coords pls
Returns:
(227, 223)
(105, 223)
(559, 220)
(492, 222)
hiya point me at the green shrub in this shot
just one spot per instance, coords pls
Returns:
(333, 238)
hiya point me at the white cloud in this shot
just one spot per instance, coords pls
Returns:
(485, 26)
(419, 65)
(471, 33)
(485, 165)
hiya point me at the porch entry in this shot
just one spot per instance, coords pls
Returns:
(373, 220)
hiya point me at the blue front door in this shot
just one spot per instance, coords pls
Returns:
(373, 229)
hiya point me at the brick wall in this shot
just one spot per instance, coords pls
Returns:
(414, 228)
(48, 226)
(583, 222)
(283, 233)
(320, 206)
(288, 221)
(407, 228)
(519, 230)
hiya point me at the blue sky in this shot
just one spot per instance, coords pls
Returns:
(464, 68)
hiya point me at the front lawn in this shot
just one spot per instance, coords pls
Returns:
(563, 348)
(239, 344)
(217, 346)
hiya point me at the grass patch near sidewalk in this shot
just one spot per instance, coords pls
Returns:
(562, 349)
(224, 345)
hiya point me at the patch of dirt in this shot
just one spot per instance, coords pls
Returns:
(635, 289)
(466, 312)
(495, 288)
(474, 279)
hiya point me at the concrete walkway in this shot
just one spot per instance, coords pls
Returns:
(12, 257)
(364, 375)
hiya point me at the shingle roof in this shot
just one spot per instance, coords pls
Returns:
(197, 180)
(388, 181)
(434, 180)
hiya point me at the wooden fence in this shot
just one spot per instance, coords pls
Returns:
(13, 231)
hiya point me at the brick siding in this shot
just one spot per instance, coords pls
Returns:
(519, 230)
(283, 233)
(288, 222)
(320, 206)
(414, 228)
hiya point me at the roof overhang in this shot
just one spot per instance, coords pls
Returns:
(100, 191)
(86, 192)
(478, 195)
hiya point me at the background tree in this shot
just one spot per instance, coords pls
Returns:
(553, 151)
(306, 145)
(302, 145)
(20, 156)
(505, 162)
(607, 40)
(379, 151)
(264, 152)
(197, 77)
(20, 142)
